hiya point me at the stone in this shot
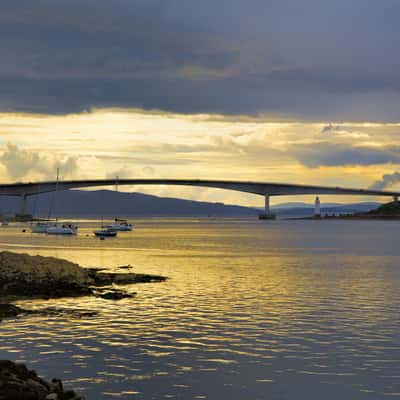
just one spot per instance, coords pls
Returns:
(9, 310)
(48, 277)
(115, 295)
(19, 383)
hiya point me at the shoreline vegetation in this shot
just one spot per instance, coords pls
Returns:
(25, 277)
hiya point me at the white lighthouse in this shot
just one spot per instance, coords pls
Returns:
(317, 210)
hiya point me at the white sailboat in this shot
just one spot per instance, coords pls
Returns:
(66, 228)
(42, 226)
(51, 227)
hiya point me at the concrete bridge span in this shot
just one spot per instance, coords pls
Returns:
(265, 189)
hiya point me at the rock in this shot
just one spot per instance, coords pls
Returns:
(19, 383)
(115, 295)
(70, 395)
(56, 385)
(25, 275)
(10, 310)
(108, 278)
(125, 267)
(37, 276)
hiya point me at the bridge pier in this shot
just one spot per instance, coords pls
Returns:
(267, 210)
(24, 200)
(22, 215)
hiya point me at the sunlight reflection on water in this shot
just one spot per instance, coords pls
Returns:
(252, 310)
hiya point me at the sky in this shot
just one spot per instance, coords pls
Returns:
(304, 91)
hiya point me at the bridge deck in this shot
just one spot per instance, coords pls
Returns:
(260, 188)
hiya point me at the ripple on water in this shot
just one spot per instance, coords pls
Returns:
(250, 310)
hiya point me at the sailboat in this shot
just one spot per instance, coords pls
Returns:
(42, 226)
(66, 228)
(51, 227)
(104, 231)
(119, 224)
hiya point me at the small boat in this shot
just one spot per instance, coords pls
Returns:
(64, 229)
(41, 227)
(120, 225)
(105, 233)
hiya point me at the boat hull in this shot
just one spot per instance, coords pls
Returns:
(57, 230)
(41, 228)
(122, 228)
(106, 233)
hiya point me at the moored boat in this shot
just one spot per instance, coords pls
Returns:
(64, 229)
(120, 225)
(41, 227)
(105, 233)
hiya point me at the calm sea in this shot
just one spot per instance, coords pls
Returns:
(251, 310)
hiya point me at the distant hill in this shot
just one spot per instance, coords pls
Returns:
(106, 203)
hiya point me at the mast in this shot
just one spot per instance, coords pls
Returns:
(53, 198)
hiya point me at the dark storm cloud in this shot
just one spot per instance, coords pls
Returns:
(307, 59)
(330, 154)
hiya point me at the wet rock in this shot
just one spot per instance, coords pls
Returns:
(125, 267)
(75, 313)
(22, 275)
(108, 278)
(10, 310)
(115, 295)
(25, 275)
(19, 383)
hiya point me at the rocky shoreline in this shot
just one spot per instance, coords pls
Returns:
(17, 382)
(23, 277)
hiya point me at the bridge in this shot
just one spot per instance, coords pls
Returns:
(266, 189)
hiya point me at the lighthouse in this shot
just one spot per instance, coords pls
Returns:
(317, 210)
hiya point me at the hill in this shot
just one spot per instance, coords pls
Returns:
(106, 203)
(109, 204)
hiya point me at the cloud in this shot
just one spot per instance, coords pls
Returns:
(20, 163)
(147, 170)
(123, 172)
(335, 154)
(387, 181)
(74, 55)
(343, 131)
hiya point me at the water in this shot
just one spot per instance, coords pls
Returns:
(252, 310)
